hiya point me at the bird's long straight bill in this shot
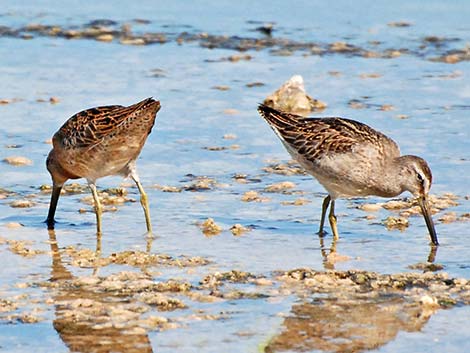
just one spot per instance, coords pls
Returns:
(423, 203)
(52, 207)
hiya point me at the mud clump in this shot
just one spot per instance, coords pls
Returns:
(399, 223)
(253, 196)
(21, 247)
(288, 169)
(88, 258)
(21, 204)
(238, 229)
(209, 227)
(200, 183)
(280, 187)
(218, 278)
(292, 98)
(353, 283)
(162, 302)
(18, 161)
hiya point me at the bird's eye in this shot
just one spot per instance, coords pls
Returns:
(420, 178)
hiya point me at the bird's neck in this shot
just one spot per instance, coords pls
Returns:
(394, 178)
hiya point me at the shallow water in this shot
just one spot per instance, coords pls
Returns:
(83, 73)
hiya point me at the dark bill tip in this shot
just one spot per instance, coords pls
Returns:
(428, 219)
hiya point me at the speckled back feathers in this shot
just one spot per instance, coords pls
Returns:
(90, 127)
(314, 138)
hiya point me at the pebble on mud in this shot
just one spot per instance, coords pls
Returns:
(448, 217)
(399, 24)
(296, 202)
(161, 301)
(221, 87)
(105, 38)
(230, 111)
(19, 247)
(168, 188)
(288, 169)
(386, 107)
(209, 227)
(254, 84)
(238, 229)
(229, 136)
(280, 187)
(132, 41)
(201, 183)
(253, 196)
(370, 75)
(13, 225)
(396, 223)
(21, 204)
(370, 207)
(18, 160)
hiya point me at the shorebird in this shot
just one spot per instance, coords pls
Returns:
(99, 142)
(350, 159)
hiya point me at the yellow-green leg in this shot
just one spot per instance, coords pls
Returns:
(326, 202)
(98, 208)
(332, 219)
(144, 202)
(97, 254)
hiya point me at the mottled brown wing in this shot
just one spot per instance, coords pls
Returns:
(87, 128)
(315, 137)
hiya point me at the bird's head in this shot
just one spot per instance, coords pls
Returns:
(58, 174)
(417, 178)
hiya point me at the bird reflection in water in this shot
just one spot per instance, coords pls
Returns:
(79, 313)
(348, 325)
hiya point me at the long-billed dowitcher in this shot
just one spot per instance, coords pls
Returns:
(98, 142)
(350, 159)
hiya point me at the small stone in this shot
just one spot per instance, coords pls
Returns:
(296, 202)
(370, 207)
(229, 137)
(13, 225)
(54, 100)
(132, 41)
(21, 204)
(371, 75)
(209, 227)
(251, 196)
(402, 116)
(427, 300)
(254, 84)
(18, 161)
(105, 38)
(396, 223)
(451, 58)
(279, 187)
(238, 229)
(230, 111)
(356, 104)
(235, 58)
(221, 87)
(167, 188)
(448, 217)
(396, 205)
(291, 97)
(387, 107)
(399, 24)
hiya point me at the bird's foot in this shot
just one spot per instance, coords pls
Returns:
(50, 223)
